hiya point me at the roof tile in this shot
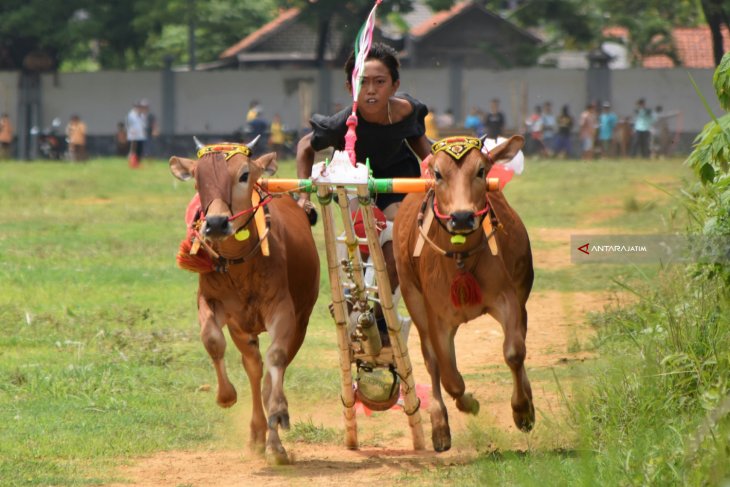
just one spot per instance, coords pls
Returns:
(261, 33)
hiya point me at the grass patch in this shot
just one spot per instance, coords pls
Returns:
(100, 359)
(308, 432)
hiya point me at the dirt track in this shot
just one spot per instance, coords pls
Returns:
(556, 325)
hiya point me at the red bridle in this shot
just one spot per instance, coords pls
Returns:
(441, 216)
(265, 201)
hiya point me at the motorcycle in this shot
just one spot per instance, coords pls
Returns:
(50, 142)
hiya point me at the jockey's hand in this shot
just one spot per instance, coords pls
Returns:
(308, 207)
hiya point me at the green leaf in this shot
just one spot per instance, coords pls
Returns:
(707, 173)
(721, 81)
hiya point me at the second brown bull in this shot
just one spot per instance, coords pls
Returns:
(467, 267)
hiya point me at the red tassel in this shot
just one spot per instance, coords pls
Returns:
(465, 290)
(199, 262)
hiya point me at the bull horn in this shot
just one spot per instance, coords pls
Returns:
(198, 144)
(253, 142)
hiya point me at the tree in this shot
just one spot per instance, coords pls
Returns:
(716, 14)
(111, 34)
(351, 14)
(37, 35)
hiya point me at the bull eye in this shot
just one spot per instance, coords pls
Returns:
(437, 175)
(481, 173)
(244, 177)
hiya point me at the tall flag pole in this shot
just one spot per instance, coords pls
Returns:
(362, 47)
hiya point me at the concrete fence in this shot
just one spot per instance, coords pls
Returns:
(212, 105)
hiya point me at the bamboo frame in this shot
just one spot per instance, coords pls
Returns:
(346, 353)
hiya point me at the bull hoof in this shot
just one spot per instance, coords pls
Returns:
(226, 397)
(256, 447)
(280, 418)
(467, 404)
(277, 456)
(441, 439)
(524, 420)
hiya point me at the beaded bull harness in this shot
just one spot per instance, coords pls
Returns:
(465, 289)
(188, 257)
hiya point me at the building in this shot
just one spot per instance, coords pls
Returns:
(467, 34)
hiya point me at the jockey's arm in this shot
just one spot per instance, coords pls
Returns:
(421, 146)
(305, 161)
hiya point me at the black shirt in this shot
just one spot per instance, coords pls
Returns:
(385, 145)
(494, 124)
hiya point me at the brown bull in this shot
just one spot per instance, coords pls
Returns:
(252, 292)
(502, 277)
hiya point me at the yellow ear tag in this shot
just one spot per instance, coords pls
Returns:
(242, 235)
(458, 239)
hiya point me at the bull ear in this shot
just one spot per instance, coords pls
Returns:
(267, 162)
(181, 167)
(508, 149)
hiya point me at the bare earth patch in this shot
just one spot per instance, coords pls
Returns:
(556, 337)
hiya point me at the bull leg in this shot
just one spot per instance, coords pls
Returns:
(211, 334)
(442, 340)
(251, 357)
(513, 317)
(440, 432)
(285, 342)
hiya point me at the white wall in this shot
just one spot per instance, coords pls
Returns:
(519, 90)
(216, 102)
(670, 88)
(9, 94)
(101, 99)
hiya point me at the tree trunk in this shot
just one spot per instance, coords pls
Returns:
(716, 16)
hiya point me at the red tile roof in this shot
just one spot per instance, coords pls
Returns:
(438, 19)
(260, 34)
(694, 47)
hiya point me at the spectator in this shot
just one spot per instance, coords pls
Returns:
(432, 131)
(121, 141)
(643, 120)
(446, 119)
(622, 136)
(153, 132)
(494, 121)
(253, 109)
(563, 144)
(258, 127)
(660, 136)
(587, 130)
(606, 124)
(76, 133)
(533, 124)
(136, 132)
(277, 136)
(474, 122)
(6, 136)
(549, 126)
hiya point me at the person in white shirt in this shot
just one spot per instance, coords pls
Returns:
(137, 131)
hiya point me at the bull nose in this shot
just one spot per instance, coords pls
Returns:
(217, 226)
(462, 221)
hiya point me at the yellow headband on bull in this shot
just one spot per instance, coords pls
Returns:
(229, 149)
(457, 147)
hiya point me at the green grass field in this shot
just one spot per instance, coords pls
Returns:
(100, 360)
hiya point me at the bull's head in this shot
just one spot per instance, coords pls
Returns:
(225, 177)
(460, 167)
